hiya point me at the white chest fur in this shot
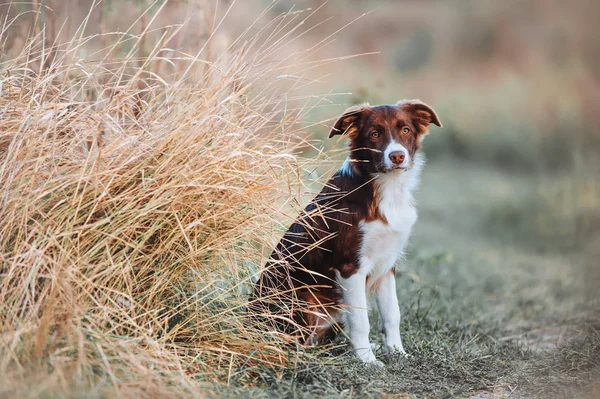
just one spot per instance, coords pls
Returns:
(383, 243)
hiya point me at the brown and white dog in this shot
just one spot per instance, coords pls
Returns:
(347, 241)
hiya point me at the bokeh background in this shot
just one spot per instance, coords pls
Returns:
(509, 202)
(516, 83)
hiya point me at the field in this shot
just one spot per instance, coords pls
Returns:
(148, 165)
(483, 316)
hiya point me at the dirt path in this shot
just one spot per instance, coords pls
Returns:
(484, 222)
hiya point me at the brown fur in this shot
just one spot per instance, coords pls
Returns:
(298, 287)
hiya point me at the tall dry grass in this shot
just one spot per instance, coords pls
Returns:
(136, 202)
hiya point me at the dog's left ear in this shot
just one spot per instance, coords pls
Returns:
(422, 113)
(351, 120)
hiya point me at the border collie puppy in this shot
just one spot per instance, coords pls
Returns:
(346, 242)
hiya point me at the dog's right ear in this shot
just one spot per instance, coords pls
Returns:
(351, 120)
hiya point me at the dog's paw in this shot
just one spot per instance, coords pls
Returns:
(397, 351)
(368, 357)
(373, 362)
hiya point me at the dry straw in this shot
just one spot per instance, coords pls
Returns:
(137, 198)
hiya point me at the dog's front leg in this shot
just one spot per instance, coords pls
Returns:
(357, 317)
(389, 312)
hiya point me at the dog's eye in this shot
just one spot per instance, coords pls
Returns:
(405, 130)
(375, 134)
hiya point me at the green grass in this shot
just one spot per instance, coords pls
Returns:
(498, 292)
(484, 312)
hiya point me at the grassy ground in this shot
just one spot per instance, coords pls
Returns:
(120, 278)
(484, 313)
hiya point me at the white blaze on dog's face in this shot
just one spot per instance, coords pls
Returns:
(396, 156)
(386, 138)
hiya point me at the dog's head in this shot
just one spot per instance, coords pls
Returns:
(385, 138)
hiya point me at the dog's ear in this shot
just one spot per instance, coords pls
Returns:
(351, 120)
(422, 113)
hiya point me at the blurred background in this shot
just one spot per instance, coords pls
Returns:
(509, 202)
(516, 85)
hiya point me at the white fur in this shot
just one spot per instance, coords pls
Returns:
(393, 146)
(357, 318)
(389, 311)
(382, 245)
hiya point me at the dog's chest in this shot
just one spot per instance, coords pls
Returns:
(383, 242)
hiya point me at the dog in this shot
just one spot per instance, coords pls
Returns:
(348, 239)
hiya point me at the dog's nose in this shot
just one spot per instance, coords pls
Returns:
(397, 157)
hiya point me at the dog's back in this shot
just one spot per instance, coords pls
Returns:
(349, 237)
(298, 288)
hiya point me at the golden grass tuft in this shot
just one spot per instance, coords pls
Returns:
(135, 204)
